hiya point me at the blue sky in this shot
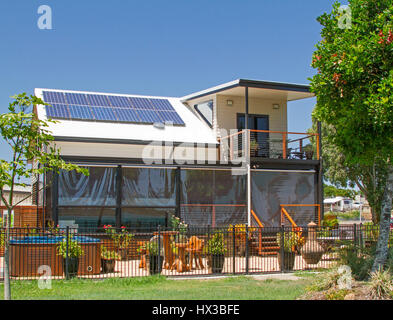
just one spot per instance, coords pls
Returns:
(166, 48)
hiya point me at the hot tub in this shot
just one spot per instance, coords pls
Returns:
(28, 253)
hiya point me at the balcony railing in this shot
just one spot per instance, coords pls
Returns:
(270, 145)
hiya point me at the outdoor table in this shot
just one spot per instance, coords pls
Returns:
(166, 236)
(180, 263)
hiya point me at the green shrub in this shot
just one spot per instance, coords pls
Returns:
(217, 244)
(338, 294)
(325, 281)
(381, 285)
(74, 249)
(109, 254)
(292, 241)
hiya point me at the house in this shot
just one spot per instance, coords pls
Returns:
(338, 204)
(215, 157)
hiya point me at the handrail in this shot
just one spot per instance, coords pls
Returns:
(260, 224)
(294, 225)
(306, 205)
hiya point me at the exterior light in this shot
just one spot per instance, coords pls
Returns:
(276, 106)
(229, 102)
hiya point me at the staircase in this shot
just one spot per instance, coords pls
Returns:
(269, 245)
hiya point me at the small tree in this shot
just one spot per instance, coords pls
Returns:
(30, 141)
(354, 88)
(369, 178)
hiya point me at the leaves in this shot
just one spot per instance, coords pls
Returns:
(30, 142)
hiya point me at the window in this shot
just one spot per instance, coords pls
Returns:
(205, 110)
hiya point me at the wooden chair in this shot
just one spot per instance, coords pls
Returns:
(195, 249)
(143, 253)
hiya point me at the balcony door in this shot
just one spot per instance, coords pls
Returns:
(256, 122)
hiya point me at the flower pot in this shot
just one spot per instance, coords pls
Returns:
(312, 251)
(216, 262)
(123, 253)
(154, 266)
(289, 261)
(108, 266)
(73, 265)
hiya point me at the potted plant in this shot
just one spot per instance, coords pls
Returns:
(290, 245)
(216, 248)
(254, 148)
(108, 260)
(74, 253)
(308, 151)
(156, 258)
(121, 239)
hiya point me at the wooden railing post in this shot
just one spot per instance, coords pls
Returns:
(284, 145)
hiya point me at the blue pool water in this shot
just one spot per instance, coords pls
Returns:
(52, 239)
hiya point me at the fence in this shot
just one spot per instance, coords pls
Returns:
(63, 253)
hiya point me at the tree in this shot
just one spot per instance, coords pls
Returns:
(332, 191)
(30, 141)
(369, 178)
(354, 89)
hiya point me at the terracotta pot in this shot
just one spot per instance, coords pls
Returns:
(289, 261)
(108, 266)
(312, 251)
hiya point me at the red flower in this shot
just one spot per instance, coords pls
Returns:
(123, 227)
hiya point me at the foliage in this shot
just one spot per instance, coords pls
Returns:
(30, 140)
(240, 230)
(109, 254)
(350, 215)
(325, 281)
(74, 249)
(330, 220)
(178, 225)
(292, 241)
(332, 192)
(336, 294)
(354, 89)
(152, 248)
(381, 285)
(121, 238)
(216, 244)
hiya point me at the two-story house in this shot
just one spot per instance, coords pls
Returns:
(216, 157)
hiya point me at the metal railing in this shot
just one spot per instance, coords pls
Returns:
(270, 145)
(66, 253)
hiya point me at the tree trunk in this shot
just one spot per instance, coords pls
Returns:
(384, 224)
(7, 282)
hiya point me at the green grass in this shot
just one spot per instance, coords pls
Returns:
(160, 288)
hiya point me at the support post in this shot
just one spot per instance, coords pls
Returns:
(119, 178)
(159, 249)
(247, 245)
(282, 252)
(233, 250)
(67, 275)
(320, 170)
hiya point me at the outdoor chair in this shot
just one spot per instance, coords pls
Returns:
(143, 252)
(195, 249)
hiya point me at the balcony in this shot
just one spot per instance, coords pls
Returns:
(262, 144)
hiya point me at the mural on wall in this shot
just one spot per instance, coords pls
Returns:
(269, 189)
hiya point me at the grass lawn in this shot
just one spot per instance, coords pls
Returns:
(160, 288)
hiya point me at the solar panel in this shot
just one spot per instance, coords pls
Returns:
(97, 107)
(76, 98)
(54, 97)
(104, 113)
(149, 116)
(126, 115)
(141, 103)
(161, 104)
(169, 116)
(81, 112)
(98, 100)
(119, 101)
(57, 111)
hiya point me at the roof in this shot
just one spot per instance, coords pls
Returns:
(74, 130)
(296, 91)
(26, 188)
